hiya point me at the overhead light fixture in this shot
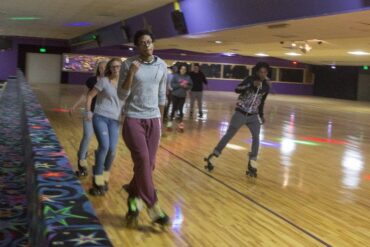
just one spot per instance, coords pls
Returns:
(294, 44)
(218, 41)
(307, 47)
(293, 54)
(359, 53)
(261, 54)
(228, 54)
(24, 18)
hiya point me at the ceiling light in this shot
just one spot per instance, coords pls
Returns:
(24, 18)
(359, 53)
(293, 54)
(307, 47)
(229, 54)
(218, 41)
(294, 44)
(261, 54)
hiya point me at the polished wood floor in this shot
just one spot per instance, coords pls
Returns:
(313, 187)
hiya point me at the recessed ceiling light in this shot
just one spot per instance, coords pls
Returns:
(24, 18)
(293, 54)
(261, 54)
(359, 53)
(218, 41)
(229, 54)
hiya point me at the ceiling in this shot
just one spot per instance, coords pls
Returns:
(340, 33)
(54, 14)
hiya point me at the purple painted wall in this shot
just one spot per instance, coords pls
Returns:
(9, 59)
(8, 64)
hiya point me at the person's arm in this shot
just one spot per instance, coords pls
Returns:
(205, 81)
(175, 83)
(92, 93)
(126, 78)
(190, 84)
(242, 86)
(79, 102)
(262, 104)
(162, 93)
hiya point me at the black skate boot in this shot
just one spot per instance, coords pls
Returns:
(132, 217)
(209, 165)
(158, 216)
(252, 169)
(106, 175)
(82, 168)
(97, 190)
(106, 186)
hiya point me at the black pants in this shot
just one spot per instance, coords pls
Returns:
(168, 104)
(177, 104)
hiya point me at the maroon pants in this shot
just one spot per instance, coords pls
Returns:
(142, 138)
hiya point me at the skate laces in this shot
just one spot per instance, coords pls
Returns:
(135, 204)
(254, 164)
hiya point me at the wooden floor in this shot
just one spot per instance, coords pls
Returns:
(313, 187)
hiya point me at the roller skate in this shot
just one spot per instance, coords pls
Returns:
(98, 186)
(82, 168)
(252, 169)
(209, 165)
(106, 186)
(158, 216)
(169, 126)
(180, 127)
(134, 207)
(106, 175)
(126, 187)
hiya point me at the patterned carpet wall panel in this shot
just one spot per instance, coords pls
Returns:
(59, 212)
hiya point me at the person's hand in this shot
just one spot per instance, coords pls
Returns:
(257, 83)
(88, 115)
(134, 67)
(262, 120)
(71, 110)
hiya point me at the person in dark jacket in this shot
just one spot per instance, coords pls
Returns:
(196, 93)
(248, 111)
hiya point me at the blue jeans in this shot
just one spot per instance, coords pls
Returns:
(84, 144)
(106, 131)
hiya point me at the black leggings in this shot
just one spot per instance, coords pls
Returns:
(177, 104)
